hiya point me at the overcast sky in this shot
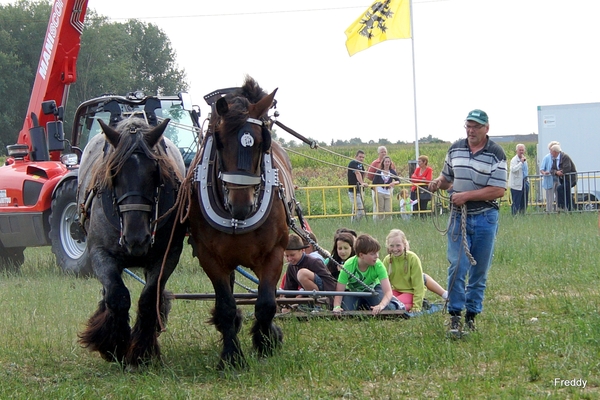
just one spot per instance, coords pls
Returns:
(503, 56)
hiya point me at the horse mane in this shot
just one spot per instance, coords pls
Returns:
(249, 90)
(240, 99)
(132, 138)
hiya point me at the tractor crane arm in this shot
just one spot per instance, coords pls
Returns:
(57, 66)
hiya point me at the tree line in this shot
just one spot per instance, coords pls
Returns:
(115, 58)
(354, 141)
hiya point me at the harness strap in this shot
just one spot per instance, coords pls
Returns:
(135, 207)
(239, 178)
(134, 193)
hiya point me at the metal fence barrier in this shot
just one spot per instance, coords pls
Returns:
(333, 201)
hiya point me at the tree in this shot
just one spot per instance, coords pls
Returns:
(21, 36)
(114, 58)
(121, 58)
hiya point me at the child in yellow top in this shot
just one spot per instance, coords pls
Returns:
(406, 274)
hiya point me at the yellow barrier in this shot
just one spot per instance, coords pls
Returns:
(333, 201)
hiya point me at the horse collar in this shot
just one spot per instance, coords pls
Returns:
(214, 209)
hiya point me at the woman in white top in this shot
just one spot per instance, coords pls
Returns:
(388, 178)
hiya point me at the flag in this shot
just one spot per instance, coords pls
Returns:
(383, 20)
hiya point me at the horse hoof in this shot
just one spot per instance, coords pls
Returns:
(233, 363)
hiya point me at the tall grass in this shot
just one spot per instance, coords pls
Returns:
(540, 322)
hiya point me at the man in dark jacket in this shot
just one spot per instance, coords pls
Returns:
(564, 168)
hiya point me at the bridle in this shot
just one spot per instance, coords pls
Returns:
(122, 208)
(152, 205)
(242, 178)
(209, 170)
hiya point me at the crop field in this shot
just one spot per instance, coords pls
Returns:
(537, 336)
(327, 166)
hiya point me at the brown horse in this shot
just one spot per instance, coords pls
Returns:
(239, 214)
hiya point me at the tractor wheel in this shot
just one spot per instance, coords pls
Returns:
(68, 240)
(11, 258)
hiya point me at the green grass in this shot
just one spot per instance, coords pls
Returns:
(540, 322)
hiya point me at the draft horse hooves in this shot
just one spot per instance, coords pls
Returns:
(266, 344)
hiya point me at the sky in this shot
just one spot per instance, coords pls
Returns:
(503, 56)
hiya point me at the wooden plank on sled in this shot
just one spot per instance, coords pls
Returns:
(304, 315)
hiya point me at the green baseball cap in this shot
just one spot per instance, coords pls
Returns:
(478, 116)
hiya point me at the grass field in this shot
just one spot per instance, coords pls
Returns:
(540, 323)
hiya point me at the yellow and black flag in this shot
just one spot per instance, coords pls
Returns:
(383, 20)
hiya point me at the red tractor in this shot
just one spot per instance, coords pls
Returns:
(38, 182)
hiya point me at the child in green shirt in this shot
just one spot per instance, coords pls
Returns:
(366, 267)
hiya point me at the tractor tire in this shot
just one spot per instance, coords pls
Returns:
(67, 238)
(11, 258)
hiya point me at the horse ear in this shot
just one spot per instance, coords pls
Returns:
(222, 106)
(112, 136)
(155, 134)
(262, 106)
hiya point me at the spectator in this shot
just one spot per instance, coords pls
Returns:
(549, 180)
(373, 168)
(564, 168)
(517, 181)
(406, 204)
(421, 178)
(476, 185)
(357, 183)
(385, 176)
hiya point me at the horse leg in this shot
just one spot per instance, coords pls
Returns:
(107, 330)
(266, 336)
(227, 319)
(144, 334)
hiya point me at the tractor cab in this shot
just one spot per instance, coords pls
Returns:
(183, 130)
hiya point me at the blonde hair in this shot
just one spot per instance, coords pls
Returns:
(401, 235)
(397, 233)
(425, 159)
(403, 194)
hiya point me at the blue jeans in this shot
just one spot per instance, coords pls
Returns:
(352, 303)
(481, 232)
(520, 199)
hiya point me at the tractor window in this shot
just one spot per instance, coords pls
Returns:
(181, 129)
(91, 127)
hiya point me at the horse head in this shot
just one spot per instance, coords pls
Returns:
(242, 138)
(133, 175)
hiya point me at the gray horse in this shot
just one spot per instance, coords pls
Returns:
(128, 183)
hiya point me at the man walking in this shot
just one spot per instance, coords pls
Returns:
(476, 169)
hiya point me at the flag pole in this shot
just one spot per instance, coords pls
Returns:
(412, 42)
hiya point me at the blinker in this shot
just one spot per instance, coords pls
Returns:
(246, 142)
